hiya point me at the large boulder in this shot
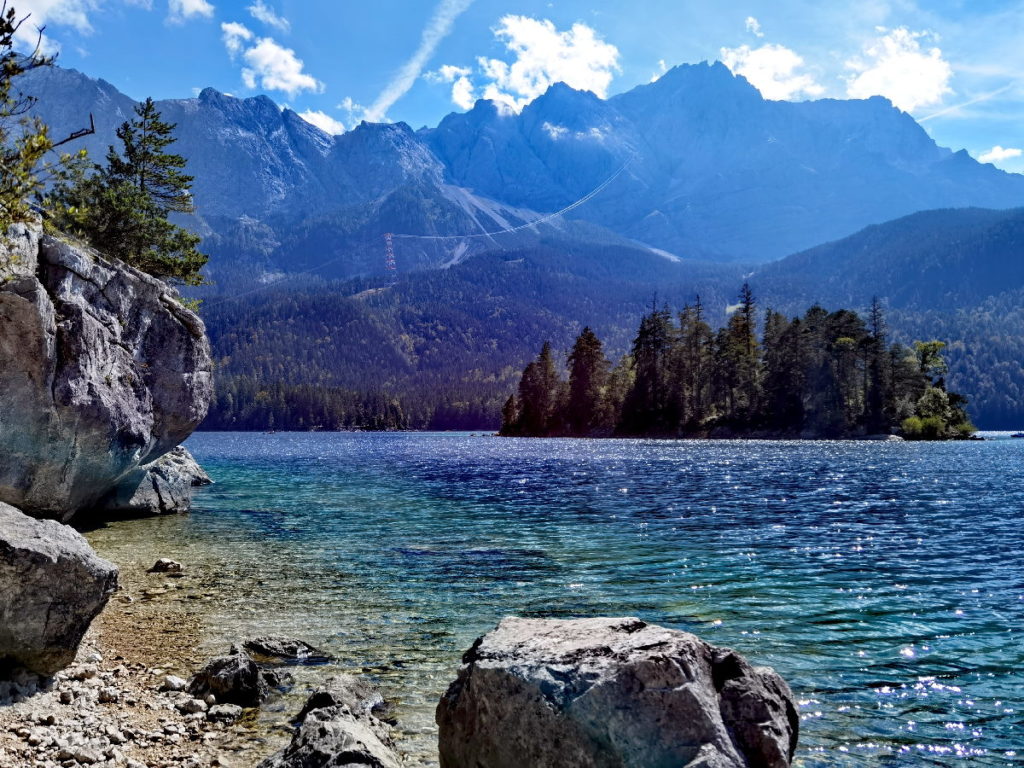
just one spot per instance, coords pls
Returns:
(104, 371)
(339, 729)
(612, 693)
(161, 488)
(52, 585)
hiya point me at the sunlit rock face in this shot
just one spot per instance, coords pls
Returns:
(103, 371)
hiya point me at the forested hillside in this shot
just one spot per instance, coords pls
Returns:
(444, 349)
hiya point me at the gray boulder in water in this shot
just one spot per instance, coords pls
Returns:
(233, 679)
(52, 585)
(611, 693)
(104, 371)
(339, 729)
(161, 488)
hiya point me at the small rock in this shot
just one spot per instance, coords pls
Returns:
(234, 679)
(173, 683)
(192, 706)
(109, 695)
(224, 712)
(66, 697)
(165, 565)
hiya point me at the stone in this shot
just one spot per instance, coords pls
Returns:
(165, 565)
(233, 679)
(357, 694)
(612, 692)
(52, 585)
(105, 372)
(338, 730)
(224, 712)
(173, 683)
(161, 488)
(286, 649)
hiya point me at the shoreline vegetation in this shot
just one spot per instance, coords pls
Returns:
(825, 375)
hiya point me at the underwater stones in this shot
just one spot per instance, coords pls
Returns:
(338, 729)
(52, 585)
(165, 565)
(611, 692)
(285, 649)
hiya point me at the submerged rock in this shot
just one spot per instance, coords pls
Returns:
(339, 730)
(104, 371)
(52, 585)
(283, 649)
(161, 488)
(608, 693)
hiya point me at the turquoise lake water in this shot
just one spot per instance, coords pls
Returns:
(884, 581)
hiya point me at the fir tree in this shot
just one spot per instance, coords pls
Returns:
(588, 379)
(123, 208)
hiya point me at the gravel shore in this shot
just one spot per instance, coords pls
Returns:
(116, 705)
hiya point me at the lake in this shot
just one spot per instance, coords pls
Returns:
(884, 581)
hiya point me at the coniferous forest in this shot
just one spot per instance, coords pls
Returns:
(820, 375)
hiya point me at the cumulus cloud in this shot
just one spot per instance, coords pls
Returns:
(463, 90)
(264, 13)
(276, 68)
(437, 29)
(323, 121)
(182, 10)
(896, 66)
(998, 154)
(774, 70)
(578, 57)
(754, 27)
(268, 64)
(39, 13)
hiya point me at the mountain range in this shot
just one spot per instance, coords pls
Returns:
(698, 166)
(701, 185)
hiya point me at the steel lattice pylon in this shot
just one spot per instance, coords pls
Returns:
(389, 256)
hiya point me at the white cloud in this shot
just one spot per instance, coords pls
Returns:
(39, 13)
(323, 121)
(578, 57)
(463, 93)
(662, 69)
(182, 10)
(754, 26)
(998, 154)
(447, 74)
(276, 68)
(773, 69)
(262, 12)
(437, 29)
(235, 36)
(894, 65)
(268, 64)
(350, 106)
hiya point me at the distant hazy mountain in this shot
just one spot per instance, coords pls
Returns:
(933, 260)
(709, 170)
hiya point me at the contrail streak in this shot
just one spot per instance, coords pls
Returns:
(976, 100)
(437, 29)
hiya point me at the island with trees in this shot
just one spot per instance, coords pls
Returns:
(822, 375)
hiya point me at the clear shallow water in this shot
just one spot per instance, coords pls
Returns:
(884, 581)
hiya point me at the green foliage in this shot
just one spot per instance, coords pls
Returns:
(123, 208)
(26, 149)
(826, 374)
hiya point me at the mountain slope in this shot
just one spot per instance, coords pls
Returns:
(707, 169)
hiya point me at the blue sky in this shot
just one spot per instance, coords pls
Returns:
(956, 65)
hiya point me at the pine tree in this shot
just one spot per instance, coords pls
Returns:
(647, 407)
(123, 208)
(540, 392)
(588, 379)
